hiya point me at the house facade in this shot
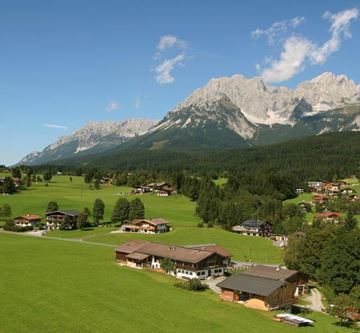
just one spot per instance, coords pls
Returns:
(29, 220)
(253, 228)
(56, 218)
(264, 288)
(329, 216)
(199, 262)
(146, 226)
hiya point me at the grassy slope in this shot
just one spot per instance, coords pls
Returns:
(178, 209)
(54, 286)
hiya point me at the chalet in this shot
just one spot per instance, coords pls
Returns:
(319, 199)
(263, 287)
(316, 186)
(55, 219)
(28, 220)
(189, 262)
(253, 228)
(163, 186)
(329, 216)
(347, 191)
(146, 226)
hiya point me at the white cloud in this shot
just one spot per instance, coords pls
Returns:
(300, 51)
(277, 28)
(340, 28)
(163, 71)
(56, 126)
(170, 41)
(291, 60)
(112, 106)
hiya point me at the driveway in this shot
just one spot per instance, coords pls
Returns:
(212, 282)
(315, 300)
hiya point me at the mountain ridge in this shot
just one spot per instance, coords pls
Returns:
(229, 112)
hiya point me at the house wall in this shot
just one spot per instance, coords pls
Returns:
(229, 296)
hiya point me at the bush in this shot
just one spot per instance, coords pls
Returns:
(200, 225)
(193, 285)
(210, 225)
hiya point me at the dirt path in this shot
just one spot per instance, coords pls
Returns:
(315, 300)
(73, 240)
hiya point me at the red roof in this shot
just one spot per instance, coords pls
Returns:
(329, 214)
(29, 217)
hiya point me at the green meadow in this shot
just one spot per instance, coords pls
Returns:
(177, 209)
(50, 285)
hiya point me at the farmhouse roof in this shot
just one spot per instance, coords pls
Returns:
(269, 272)
(251, 284)
(329, 214)
(28, 217)
(72, 213)
(156, 221)
(211, 247)
(252, 223)
(177, 253)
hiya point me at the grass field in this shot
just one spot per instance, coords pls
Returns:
(177, 209)
(51, 285)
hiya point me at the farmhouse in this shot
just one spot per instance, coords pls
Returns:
(28, 220)
(253, 228)
(263, 287)
(200, 261)
(60, 217)
(315, 186)
(151, 226)
(329, 216)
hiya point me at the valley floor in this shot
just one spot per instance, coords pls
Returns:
(49, 285)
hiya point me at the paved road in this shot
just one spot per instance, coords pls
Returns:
(315, 300)
(212, 282)
(74, 240)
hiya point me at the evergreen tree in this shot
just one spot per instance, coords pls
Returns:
(82, 221)
(52, 206)
(47, 175)
(16, 173)
(98, 210)
(350, 222)
(6, 211)
(121, 211)
(137, 209)
(8, 186)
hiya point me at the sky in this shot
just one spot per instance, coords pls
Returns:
(68, 62)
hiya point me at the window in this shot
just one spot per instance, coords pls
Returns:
(198, 273)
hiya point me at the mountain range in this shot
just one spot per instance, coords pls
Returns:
(228, 112)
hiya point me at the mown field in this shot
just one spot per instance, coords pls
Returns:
(177, 209)
(50, 285)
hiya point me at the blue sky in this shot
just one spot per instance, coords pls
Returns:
(65, 63)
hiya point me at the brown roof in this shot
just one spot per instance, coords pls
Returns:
(151, 221)
(29, 217)
(211, 248)
(177, 253)
(269, 272)
(329, 214)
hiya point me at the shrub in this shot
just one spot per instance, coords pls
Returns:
(200, 225)
(193, 285)
(210, 225)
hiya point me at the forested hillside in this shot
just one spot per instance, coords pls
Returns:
(326, 156)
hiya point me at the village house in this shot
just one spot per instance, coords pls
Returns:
(319, 199)
(200, 261)
(315, 186)
(253, 228)
(264, 287)
(56, 218)
(29, 220)
(146, 226)
(329, 217)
